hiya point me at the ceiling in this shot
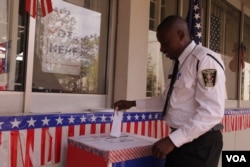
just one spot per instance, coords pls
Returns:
(246, 2)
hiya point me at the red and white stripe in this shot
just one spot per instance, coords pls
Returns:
(128, 154)
(154, 128)
(236, 122)
(31, 7)
(46, 7)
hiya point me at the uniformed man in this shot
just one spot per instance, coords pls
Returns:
(195, 104)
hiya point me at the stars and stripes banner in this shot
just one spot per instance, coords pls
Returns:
(40, 140)
(31, 7)
(194, 21)
(236, 120)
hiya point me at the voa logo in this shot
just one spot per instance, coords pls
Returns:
(236, 158)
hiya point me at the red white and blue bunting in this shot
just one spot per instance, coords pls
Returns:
(39, 140)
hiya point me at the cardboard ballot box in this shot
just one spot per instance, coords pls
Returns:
(105, 151)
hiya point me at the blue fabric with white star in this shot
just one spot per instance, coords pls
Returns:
(194, 21)
(22, 122)
(8, 123)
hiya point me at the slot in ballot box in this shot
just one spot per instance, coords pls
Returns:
(102, 150)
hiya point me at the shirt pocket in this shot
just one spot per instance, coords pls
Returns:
(184, 88)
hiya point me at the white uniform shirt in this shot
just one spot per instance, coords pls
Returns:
(198, 98)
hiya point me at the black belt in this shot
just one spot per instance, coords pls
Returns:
(215, 128)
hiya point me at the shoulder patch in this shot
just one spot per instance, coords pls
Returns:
(209, 77)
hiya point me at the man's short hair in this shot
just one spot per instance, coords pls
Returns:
(169, 21)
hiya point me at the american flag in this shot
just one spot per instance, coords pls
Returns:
(40, 140)
(31, 7)
(194, 21)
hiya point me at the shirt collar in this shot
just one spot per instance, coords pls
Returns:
(186, 52)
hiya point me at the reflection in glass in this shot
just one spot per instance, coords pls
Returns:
(69, 55)
(155, 75)
(157, 65)
(3, 46)
(245, 60)
(224, 38)
(12, 45)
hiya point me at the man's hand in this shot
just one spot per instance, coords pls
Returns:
(124, 104)
(162, 147)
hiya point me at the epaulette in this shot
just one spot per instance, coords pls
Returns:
(204, 52)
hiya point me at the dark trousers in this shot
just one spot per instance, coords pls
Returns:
(202, 152)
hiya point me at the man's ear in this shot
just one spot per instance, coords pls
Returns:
(181, 34)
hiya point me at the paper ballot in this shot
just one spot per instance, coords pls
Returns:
(116, 125)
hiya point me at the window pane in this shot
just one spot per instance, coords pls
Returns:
(12, 44)
(224, 38)
(245, 60)
(3, 45)
(152, 10)
(155, 67)
(71, 46)
(155, 75)
(168, 7)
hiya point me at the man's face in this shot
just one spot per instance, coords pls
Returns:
(170, 42)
